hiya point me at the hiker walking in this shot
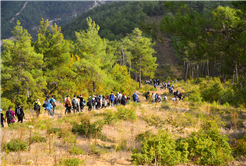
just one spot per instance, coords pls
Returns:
(19, 113)
(53, 103)
(65, 104)
(75, 104)
(123, 100)
(153, 97)
(37, 106)
(10, 116)
(49, 107)
(119, 98)
(45, 104)
(111, 99)
(147, 95)
(89, 104)
(135, 97)
(2, 118)
(69, 104)
(81, 102)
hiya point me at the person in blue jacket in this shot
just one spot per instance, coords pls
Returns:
(111, 99)
(49, 107)
(135, 97)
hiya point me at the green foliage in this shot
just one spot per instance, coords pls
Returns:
(37, 138)
(208, 146)
(161, 147)
(71, 162)
(87, 128)
(211, 91)
(76, 150)
(14, 145)
(124, 113)
(144, 135)
(195, 97)
(20, 68)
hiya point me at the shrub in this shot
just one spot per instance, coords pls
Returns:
(86, 128)
(57, 131)
(126, 113)
(195, 97)
(160, 147)
(76, 150)
(208, 146)
(239, 146)
(142, 136)
(109, 116)
(71, 162)
(14, 145)
(37, 138)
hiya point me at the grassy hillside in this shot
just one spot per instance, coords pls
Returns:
(114, 132)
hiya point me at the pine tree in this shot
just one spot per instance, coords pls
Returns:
(56, 57)
(143, 62)
(21, 67)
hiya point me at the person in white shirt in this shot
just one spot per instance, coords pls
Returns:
(153, 97)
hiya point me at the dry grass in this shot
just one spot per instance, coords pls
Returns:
(122, 134)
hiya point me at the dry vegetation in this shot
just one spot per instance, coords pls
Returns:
(50, 140)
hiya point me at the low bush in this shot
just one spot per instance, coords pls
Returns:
(37, 138)
(208, 146)
(124, 113)
(76, 150)
(87, 128)
(205, 147)
(71, 162)
(57, 131)
(143, 136)
(160, 148)
(239, 147)
(14, 145)
(109, 116)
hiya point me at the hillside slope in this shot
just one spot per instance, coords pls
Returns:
(30, 13)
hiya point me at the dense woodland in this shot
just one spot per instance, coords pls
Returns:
(53, 65)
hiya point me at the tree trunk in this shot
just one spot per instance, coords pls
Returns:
(123, 56)
(223, 76)
(136, 77)
(189, 70)
(207, 69)
(197, 72)
(214, 68)
(236, 72)
(94, 86)
(192, 72)
(140, 78)
(186, 72)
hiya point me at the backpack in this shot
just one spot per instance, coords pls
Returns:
(123, 101)
(18, 111)
(9, 116)
(97, 99)
(52, 102)
(74, 103)
(44, 105)
(36, 106)
(89, 103)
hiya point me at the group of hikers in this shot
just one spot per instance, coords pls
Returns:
(78, 103)
(95, 102)
(11, 115)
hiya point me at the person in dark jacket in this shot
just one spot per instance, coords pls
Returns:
(19, 113)
(81, 102)
(2, 118)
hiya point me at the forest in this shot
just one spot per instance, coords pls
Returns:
(204, 127)
(55, 66)
(116, 19)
